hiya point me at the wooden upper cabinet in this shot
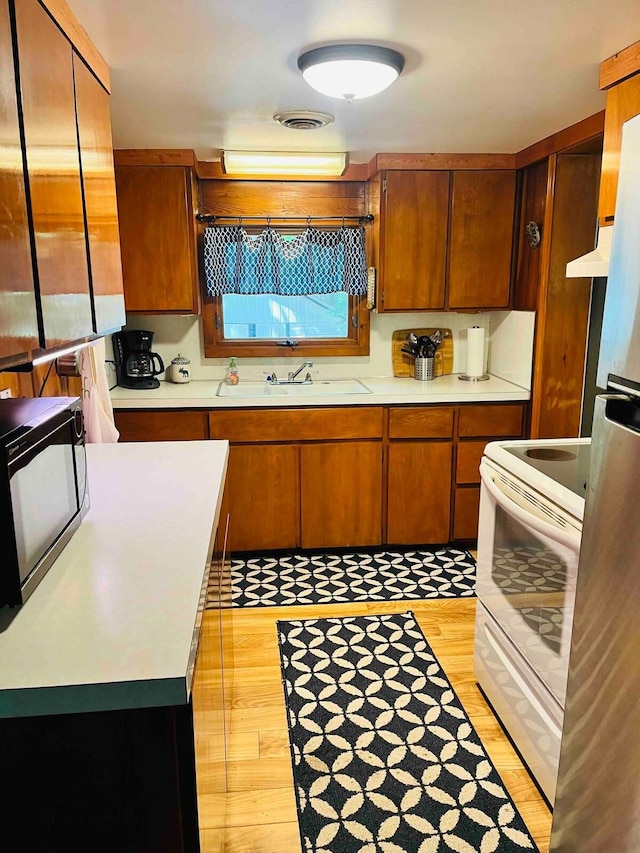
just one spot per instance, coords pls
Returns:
(623, 103)
(158, 239)
(53, 164)
(482, 214)
(530, 258)
(98, 180)
(414, 240)
(18, 318)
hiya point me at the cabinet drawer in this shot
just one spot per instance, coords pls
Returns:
(468, 463)
(421, 422)
(161, 426)
(494, 421)
(296, 424)
(465, 519)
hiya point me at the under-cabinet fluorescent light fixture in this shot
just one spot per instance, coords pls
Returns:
(351, 71)
(50, 356)
(283, 163)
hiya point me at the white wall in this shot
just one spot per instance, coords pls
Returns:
(174, 334)
(511, 346)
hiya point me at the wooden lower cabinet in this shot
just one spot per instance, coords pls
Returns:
(262, 496)
(315, 478)
(468, 461)
(341, 486)
(419, 490)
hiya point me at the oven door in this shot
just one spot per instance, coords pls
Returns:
(526, 577)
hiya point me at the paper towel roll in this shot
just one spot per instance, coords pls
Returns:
(475, 351)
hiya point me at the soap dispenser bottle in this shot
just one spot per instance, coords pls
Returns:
(232, 377)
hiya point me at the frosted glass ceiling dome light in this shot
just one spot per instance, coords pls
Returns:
(351, 71)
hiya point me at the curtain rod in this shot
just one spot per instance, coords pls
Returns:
(211, 218)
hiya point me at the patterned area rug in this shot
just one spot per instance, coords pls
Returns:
(384, 756)
(334, 578)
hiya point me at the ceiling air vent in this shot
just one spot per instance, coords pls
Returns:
(303, 119)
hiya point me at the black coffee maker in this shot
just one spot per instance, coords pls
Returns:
(136, 365)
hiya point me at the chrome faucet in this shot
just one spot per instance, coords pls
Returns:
(292, 375)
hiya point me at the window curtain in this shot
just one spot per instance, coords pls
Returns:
(314, 261)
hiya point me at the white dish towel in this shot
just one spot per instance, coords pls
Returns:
(96, 402)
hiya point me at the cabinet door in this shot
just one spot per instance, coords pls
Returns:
(623, 103)
(53, 165)
(419, 497)
(416, 210)
(467, 508)
(481, 237)
(262, 496)
(341, 486)
(18, 318)
(157, 239)
(99, 187)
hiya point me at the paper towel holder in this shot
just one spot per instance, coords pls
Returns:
(467, 378)
(474, 376)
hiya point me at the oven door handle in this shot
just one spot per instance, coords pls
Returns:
(568, 538)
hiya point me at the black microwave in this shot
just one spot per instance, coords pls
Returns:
(43, 488)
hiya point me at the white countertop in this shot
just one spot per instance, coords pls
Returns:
(111, 625)
(201, 394)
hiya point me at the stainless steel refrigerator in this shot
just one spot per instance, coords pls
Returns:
(597, 806)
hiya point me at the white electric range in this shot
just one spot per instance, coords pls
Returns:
(531, 508)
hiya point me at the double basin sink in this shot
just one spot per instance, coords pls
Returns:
(320, 388)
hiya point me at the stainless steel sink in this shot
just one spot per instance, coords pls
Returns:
(319, 388)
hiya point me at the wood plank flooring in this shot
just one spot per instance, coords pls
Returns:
(257, 813)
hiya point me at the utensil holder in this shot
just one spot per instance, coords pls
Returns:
(424, 369)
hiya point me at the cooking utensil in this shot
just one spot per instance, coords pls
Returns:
(420, 345)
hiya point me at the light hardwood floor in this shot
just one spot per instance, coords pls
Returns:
(257, 813)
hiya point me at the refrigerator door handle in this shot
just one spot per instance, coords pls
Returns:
(570, 538)
(622, 410)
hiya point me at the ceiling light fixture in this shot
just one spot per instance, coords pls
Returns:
(284, 163)
(351, 71)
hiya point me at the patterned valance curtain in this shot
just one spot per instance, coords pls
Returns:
(314, 261)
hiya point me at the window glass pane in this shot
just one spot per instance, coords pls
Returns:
(270, 316)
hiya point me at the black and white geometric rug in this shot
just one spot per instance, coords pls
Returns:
(384, 756)
(333, 578)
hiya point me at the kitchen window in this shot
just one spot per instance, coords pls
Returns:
(255, 323)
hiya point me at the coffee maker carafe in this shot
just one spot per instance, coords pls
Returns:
(136, 365)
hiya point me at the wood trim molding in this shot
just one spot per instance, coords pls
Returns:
(79, 38)
(537, 389)
(566, 138)
(435, 162)
(154, 157)
(621, 65)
